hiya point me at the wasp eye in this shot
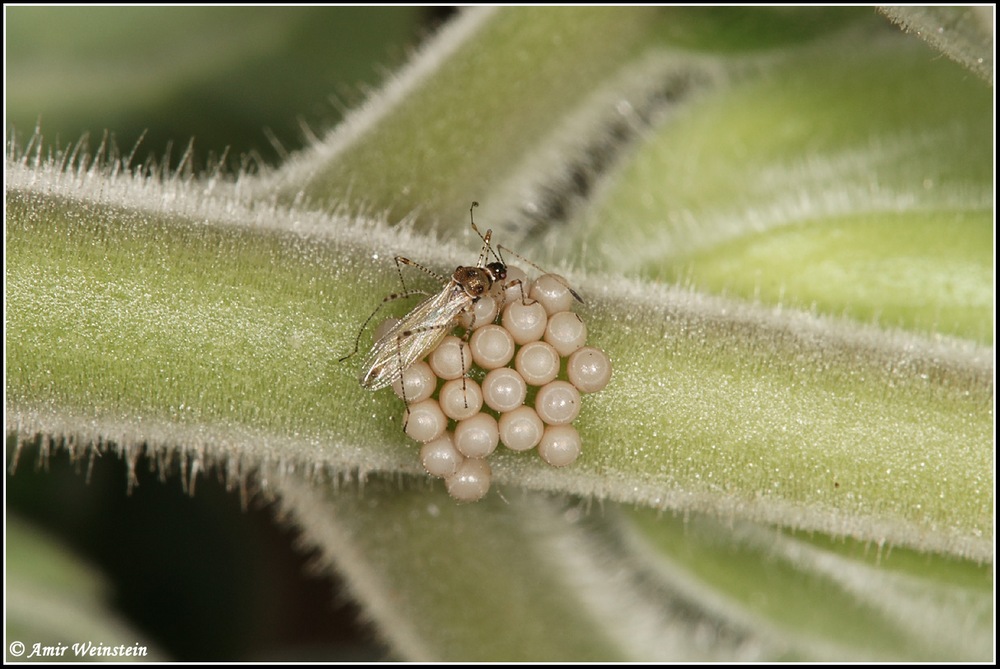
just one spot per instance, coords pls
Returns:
(498, 270)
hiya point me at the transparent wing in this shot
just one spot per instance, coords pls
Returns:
(413, 337)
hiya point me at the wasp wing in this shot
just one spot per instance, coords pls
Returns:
(416, 335)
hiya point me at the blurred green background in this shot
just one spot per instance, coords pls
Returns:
(248, 80)
(200, 578)
(249, 83)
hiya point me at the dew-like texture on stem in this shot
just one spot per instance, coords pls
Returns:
(819, 413)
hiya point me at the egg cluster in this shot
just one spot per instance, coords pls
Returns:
(514, 377)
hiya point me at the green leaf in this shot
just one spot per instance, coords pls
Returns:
(56, 606)
(819, 385)
(156, 77)
(211, 335)
(536, 578)
(964, 34)
(853, 181)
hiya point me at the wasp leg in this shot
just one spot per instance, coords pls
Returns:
(387, 298)
(400, 261)
(401, 337)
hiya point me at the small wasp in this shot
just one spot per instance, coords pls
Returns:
(421, 330)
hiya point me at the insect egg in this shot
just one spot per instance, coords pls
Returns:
(424, 421)
(560, 445)
(471, 481)
(463, 359)
(553, 292)
(525, 321)
(566, 332)
(440, 457)
(537, 363)
(419, 381)
(504, 389)
(452, 359)
(478, 436)
(558, 403)
(521, 429)
(589, 369)
(481, 313)
(461, 398)
(492, 347)
(516, 286)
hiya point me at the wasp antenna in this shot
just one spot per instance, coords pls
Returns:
(498, 254)
(486, 238)
(501, 248)
(472, 221)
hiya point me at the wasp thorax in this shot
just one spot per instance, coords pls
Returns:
(501, 383)
(474, 280)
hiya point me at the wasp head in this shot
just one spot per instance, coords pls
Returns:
(497, 271)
